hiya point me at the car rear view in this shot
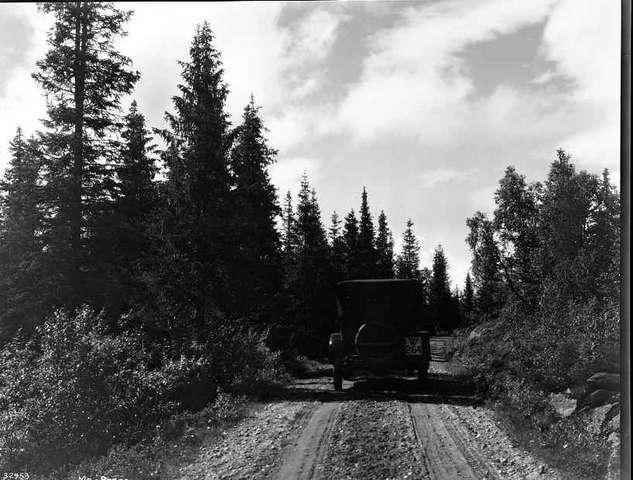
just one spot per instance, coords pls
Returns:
(383, 329)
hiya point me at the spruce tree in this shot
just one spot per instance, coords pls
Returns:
(384, 249)
(442, 304)
(289, 248)
(408, 262)
(256, 268)
(84, 77)
(21, 196)
(311, 288)
(439, 288)
(366, 250)
(337, 249)
(127, 239)
(469, 295)
(137, 169)
(350, 237)
(198, 217)
(23, 288)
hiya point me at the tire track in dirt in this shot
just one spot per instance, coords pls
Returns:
(305, 459)
(445, 456)
(495, 447)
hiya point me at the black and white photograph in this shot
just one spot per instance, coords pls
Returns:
(315, 240)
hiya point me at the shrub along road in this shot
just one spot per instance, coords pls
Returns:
(374, 429)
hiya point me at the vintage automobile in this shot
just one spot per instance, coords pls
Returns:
(382, 330)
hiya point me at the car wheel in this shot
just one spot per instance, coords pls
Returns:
(338, 377)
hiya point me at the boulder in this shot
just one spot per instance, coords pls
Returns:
(603, 380)
(614, 424)
(597, 418)
(563, 404)
(597, 398)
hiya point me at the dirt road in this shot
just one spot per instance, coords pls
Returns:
(374, 429)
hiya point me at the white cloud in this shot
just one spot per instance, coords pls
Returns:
(21, 100)
(444, 175)
(415, 86)
(583, 38)
(313, 36)
(413, 83)
(250, 43)
(286, 173)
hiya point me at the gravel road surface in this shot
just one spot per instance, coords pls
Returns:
(374, 429)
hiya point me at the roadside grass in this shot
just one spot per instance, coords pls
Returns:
(174, 444)
(565, 446)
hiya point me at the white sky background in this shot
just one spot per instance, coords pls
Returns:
(424, 103)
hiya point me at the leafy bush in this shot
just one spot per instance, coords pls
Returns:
(555, 348)
(242, 361)
(571, 342)
(74, 390)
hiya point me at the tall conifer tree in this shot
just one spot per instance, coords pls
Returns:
(23, 290)
(256, 268)
(408, 262)
(442, 302)
(366, 247)
(469, 295)
(337, 249)
(137, 191)
(350, 237)
(127, 240)
(198, 216)
(384, 249)
(84, 77)
(311, 288)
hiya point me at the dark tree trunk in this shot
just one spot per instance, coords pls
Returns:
(78, 146)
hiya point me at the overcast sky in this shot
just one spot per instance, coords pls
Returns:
(425, 103)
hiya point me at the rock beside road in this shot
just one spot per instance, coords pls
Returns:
(563, 404)
(599, 417)
(606, 381)
(597, 398)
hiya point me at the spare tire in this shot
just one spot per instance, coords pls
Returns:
(376, 341)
